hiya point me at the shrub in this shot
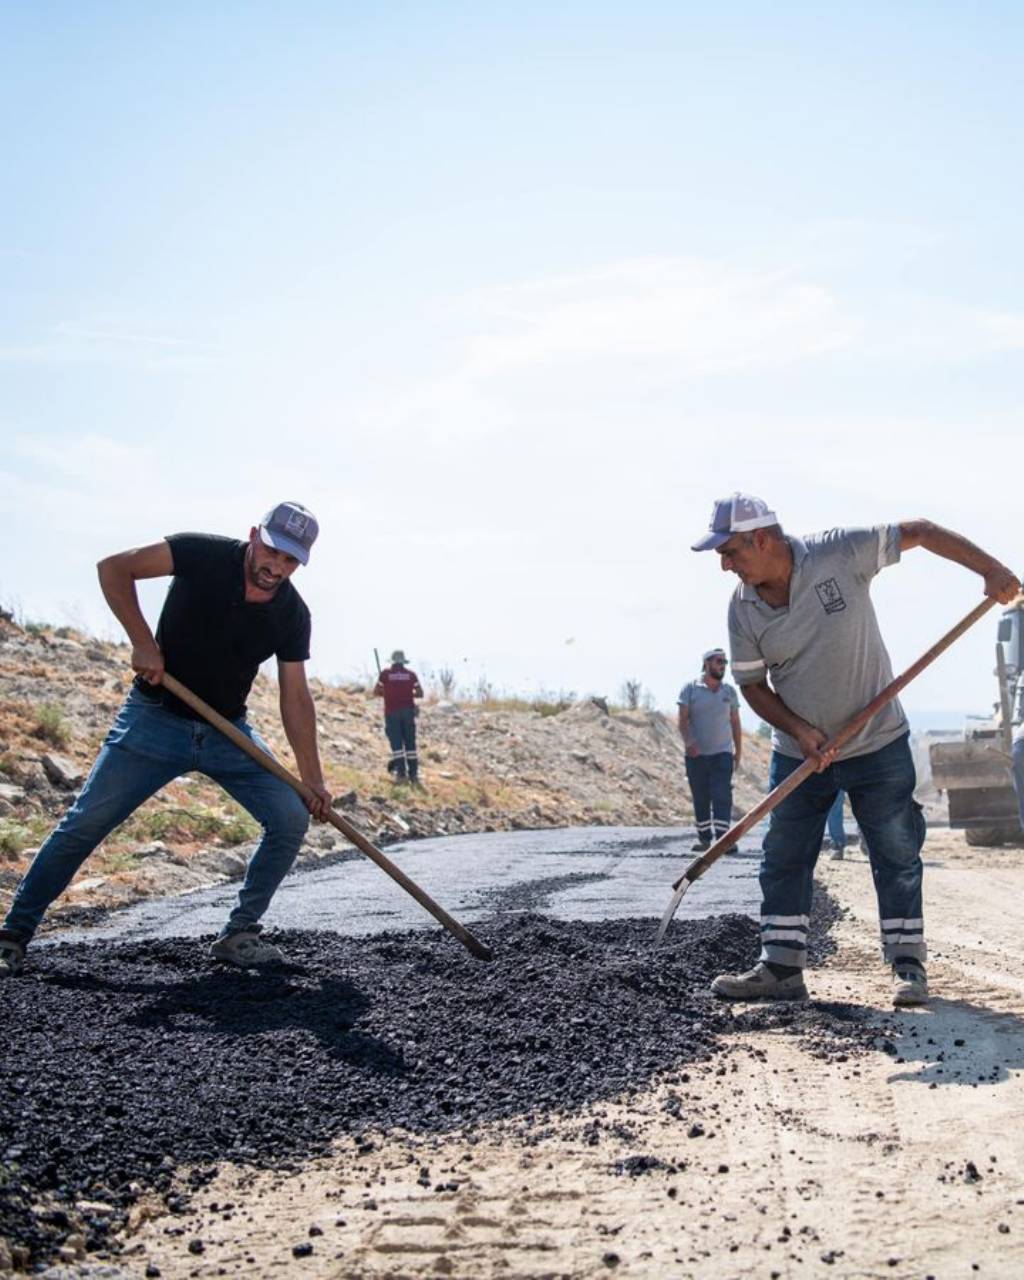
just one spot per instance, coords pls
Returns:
(52, 725)
(193, 822)
(632, 691)
(16, 836)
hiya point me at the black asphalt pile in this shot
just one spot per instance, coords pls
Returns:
(125, 1062)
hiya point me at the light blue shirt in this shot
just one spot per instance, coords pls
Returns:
(823, 652)
(710, 715)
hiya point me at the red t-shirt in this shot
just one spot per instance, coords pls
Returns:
(398, 683)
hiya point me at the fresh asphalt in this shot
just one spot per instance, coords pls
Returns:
(584, 873)
(140, 1064)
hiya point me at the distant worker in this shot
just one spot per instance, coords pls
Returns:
(400, 687)
(802, 616)
(709, 722)
(1018, 770)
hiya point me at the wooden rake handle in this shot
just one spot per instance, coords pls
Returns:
(473, 945)
(707, 859)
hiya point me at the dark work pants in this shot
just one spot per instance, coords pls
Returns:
(881, 790)
(710, 779)
(400, 726)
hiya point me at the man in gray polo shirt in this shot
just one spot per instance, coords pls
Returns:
(709, 722)
(802, 618)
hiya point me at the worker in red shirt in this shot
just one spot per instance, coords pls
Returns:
(399, 687)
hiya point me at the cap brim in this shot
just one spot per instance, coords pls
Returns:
(710, 541)
(280, 543)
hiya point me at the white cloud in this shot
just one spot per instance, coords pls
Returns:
(706, 318)
(105, 341)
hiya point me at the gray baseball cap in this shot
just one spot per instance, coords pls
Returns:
(737, 514)
(290, 527)
(714, 653)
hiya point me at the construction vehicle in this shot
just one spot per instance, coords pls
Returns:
(975, 771)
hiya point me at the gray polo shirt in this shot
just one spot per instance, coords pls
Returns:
(823, 652)
(710, 715)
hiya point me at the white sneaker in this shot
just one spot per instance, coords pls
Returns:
(909, 986)
(759, 984)
(247, 950)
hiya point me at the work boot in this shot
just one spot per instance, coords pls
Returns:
(909, 985)
(837, 854)
(759, 984)
(12, 956)
(246, 950)
(699, 846)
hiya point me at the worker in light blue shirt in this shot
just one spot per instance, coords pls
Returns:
(709, 722)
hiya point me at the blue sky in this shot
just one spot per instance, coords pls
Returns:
(507, 295)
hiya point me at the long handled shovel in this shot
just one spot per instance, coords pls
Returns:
(473, 945)
(699, 865)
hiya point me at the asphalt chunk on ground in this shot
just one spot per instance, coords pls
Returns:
(124, 1063)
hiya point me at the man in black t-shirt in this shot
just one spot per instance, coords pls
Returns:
(229, 608)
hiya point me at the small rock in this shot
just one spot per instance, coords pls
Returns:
(83, 886)
(302, 1250)
(62, 772)
(154, 849)
(93, 1206)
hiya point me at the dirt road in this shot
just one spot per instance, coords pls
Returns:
(902, 1161)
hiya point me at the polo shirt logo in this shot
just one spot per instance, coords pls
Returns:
(830, 596)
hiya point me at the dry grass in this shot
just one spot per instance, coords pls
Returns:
(52, 725)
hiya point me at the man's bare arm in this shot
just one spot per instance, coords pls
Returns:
(684, 731)
(769, 706)
(737, 738)
(1000, 583)
(118, 575)
(298, 715)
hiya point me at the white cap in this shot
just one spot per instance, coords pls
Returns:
(738, 514)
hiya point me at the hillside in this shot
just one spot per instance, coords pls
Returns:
(485, 768)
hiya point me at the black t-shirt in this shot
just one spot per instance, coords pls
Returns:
(212, 640)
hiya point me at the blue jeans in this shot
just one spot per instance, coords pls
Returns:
(881, 790)
(710, 779)
(146, 748)
(400, 726)
(836, 829)
(1018, 776)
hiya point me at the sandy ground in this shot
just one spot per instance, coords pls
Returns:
(775, 1162)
